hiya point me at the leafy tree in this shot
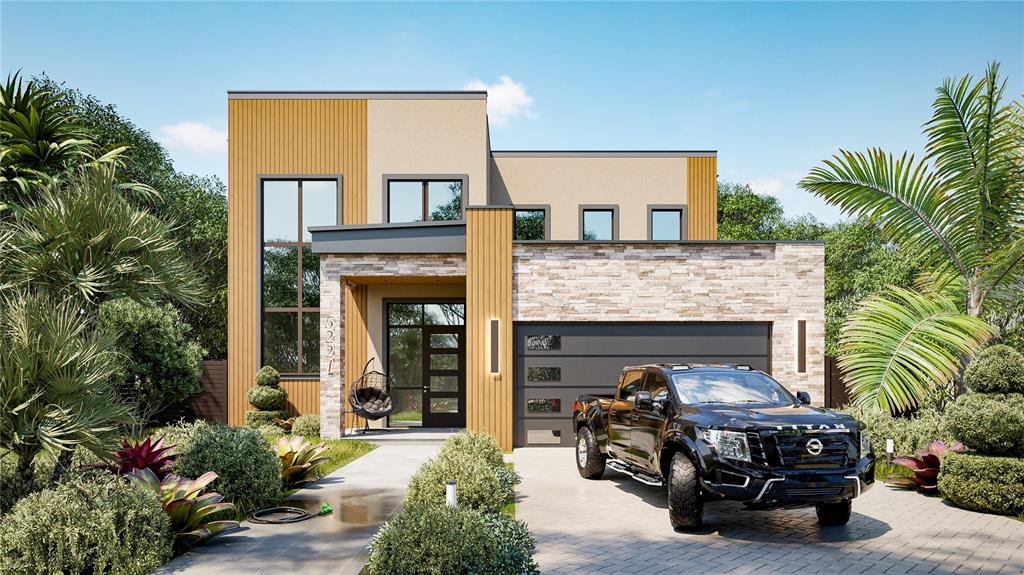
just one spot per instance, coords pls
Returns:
(961, 209)
(743, 214)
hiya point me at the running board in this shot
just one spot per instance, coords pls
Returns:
(642, 477)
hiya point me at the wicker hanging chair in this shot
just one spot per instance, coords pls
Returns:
(369, 397)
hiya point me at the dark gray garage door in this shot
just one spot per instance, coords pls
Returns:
(555, 362)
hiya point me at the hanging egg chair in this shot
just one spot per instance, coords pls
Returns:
(369, 397)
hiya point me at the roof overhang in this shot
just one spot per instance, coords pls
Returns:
(406, 238)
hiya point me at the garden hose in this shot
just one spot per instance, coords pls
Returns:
(292, 514)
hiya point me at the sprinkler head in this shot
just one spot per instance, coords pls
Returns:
(325, 509)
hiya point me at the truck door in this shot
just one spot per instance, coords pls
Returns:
(647, 423)
(620, 415)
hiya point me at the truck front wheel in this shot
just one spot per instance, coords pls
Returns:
(589, 460)
(834, 513)
(685, 508)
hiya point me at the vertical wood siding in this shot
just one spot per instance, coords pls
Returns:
(489, 296)
(303, 396)
(355, 344)
(280, 137)
(702, 198)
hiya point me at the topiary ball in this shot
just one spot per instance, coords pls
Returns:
(307, 426)
(997, 369)
(988, 423)
(267, 398)
(256, 419)
(268, 377)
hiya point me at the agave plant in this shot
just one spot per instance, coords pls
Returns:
(299, 459)
(187, 506)
(145, 454)
(926, 464)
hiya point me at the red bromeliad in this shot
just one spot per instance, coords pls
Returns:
(146, 454)
(925, 464)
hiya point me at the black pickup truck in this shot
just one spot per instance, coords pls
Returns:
(723, 432)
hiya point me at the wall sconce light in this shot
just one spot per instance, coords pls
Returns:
(801, 346)
(494, 346)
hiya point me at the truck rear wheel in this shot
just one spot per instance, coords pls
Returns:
(685, 508)
(589, 460)
(834, 513)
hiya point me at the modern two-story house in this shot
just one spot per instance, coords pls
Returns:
(491, 286)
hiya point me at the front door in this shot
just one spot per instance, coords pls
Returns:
(444, 376)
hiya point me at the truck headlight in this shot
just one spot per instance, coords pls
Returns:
(728, 444)
(865, 444)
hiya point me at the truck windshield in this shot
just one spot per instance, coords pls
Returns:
(729, 387)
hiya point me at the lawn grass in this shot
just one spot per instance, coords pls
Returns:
(509, 509)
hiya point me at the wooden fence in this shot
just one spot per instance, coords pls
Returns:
(212, 402)
(835, 387)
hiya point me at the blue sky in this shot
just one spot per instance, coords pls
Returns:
(774, 87)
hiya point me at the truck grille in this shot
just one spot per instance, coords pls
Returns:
(790, 449)
(756, 448)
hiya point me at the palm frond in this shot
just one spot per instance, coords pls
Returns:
(899, 345)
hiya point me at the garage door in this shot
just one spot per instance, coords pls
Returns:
(555, 362)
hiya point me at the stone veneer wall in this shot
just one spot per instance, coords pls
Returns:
(333, 270)
(780, 283)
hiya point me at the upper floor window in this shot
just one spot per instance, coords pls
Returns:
(290, 282)
(598, 224)
(667, 224)
(419, 200)
(529, 224)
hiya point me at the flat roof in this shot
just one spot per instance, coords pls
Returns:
(603, 153)
(357, 95)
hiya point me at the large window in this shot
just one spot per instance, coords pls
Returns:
(667, 224)
(529, 224)
(424, 200)
(290, 287)
(597, 224)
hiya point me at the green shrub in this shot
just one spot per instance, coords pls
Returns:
(507, 480)
(182, 434)
(907, 433)
(997, 369)
(992, 424)
(249, 473)
(270, 432)
(470, 444)
(983, 483)
(433, 540)
(476, 483)
(268, 377)
(267, 398)
(515, 546)
(103, 525)
(307, 426)
(161, 364)
(261, 418)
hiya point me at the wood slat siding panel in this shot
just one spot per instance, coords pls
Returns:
(489, 296)
(212, 402)
(280, 137)
(355, 343)
(303, 396)
(702, 198)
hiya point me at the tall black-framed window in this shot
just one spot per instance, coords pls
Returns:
(424, 199)
(290, 272)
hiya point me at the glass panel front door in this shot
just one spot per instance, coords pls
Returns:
(444, 376)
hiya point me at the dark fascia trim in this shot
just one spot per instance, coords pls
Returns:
(357, 95)
(603, 153)
(491, 207)
(693, 242)
(435, 224)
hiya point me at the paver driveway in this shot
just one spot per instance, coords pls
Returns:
(617, 525)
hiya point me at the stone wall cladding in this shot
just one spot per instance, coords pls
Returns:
(777, 283)
(333, 270)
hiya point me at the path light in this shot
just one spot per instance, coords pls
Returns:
(450, 496)
(890, 447)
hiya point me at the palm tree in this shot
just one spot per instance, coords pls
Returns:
(962, 208)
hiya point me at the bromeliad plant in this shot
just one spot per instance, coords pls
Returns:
(299, 460)
(188, 508)
(926, 464)
(146, 454)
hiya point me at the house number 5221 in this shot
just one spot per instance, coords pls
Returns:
(328, 327)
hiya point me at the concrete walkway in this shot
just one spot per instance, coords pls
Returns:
(617, 525)
(363, 494)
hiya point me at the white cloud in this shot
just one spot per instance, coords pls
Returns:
(778, 185)
(194, 137)
(505, 100)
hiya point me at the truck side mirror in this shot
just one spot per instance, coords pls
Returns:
(803, 397)
(643, 400)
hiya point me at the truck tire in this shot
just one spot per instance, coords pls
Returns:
(589, 460)
(834, 513)
(685, 508)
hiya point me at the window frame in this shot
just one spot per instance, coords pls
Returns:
(683, 228)
(546, 208)
(613, 208)
(425, 179)
(299, 310)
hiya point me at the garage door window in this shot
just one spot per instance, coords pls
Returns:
(543, 405)
(544, 374)
(543, 342)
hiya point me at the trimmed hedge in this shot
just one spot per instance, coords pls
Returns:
(989, 423)
(268, 377)
(997, 369)
(470, 444)
(516, 546)
(307, 426)
(266, 398)
(433, 540)
(99, 525)
(983, 483)
(257, 419)
(907, 433)
(477, 484)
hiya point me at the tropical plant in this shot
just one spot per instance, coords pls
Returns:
(962, 209)
(299, 460)
(189, 509)
(146, 454)
(926, 464)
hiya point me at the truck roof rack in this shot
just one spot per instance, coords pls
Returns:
(680, 366)
(742, 366)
